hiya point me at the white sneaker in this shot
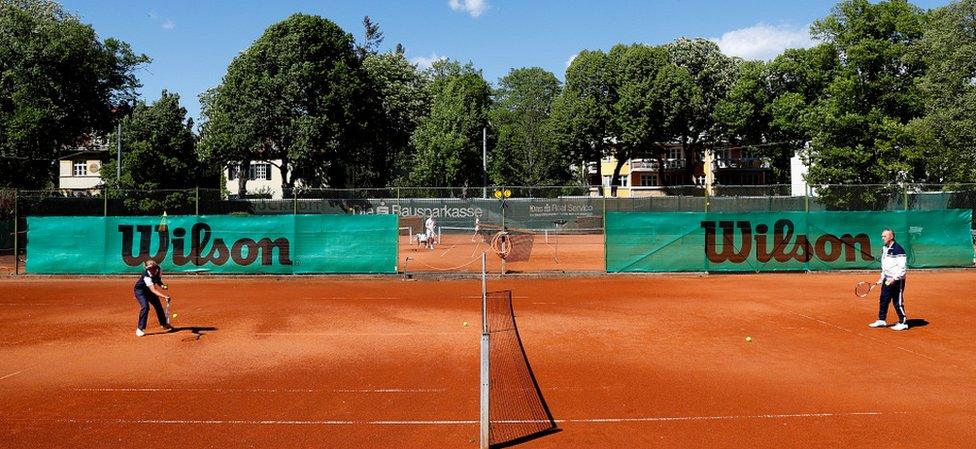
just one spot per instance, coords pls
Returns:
(139, 333)
(878, 323)
(899, 327)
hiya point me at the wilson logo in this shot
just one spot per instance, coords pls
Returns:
(782, 245)
(199, 250)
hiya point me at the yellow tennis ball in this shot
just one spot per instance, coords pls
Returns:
(465, 324)
(175, 315)
(748, 338)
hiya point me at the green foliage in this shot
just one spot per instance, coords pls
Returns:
(58, 83)
(448, 142)
(403, 94)
(859, 125)
(582, 115)
(158, 152)
(637, 99)
(946, 132)
(524, 152)
(297, 95)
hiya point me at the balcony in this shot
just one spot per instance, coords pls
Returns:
(645, 165)
(741, 162)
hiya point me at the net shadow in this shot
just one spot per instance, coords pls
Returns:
(517, 410)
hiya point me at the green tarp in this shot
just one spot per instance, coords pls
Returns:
(782, 241)
(281, 244)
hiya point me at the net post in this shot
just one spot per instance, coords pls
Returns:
(484, 292)
(485, 387)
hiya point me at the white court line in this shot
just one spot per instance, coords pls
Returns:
(11, 375)
(343, 298)
(262, 390)
(464, 422)
(356, 334)
(868, 337)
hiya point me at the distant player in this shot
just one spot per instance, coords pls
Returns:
(149, 291)
(892, 281)
(431, 226)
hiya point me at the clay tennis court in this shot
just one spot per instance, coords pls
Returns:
(547, 252)
(653, 361)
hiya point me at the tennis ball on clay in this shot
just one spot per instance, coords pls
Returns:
(748, 338)
(175, 315)
(465, 324)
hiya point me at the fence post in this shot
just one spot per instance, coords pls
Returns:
(294, 200)
(806, 197)
(105, 200)
(16, 236)
(196, 200)
(905, 193)
(706, 198)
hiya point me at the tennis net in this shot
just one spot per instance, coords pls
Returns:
(513, 408)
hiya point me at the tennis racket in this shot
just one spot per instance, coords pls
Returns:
(863, 289)
(169, 312)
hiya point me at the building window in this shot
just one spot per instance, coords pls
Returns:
(80, 168)
(648, 180)
(606, 180)
(624, 181)
(259, 170)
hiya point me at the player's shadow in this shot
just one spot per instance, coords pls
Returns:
(195, 331)
(916, 322)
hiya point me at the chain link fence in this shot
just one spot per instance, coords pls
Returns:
(554, 213)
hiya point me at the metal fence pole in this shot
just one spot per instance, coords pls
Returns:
(105, 201)
(806, 198)
(905, 193)
(16, 237)
(196, 200)
(294, 200)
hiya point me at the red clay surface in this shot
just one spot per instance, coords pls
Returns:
(655, 361)
(460, 252)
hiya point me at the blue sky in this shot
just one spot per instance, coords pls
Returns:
(192, 42)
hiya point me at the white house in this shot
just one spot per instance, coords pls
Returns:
(263, 178)
(81, 171)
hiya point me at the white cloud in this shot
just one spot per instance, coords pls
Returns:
(473, 7)
(764, 41)
(425, 62)
(570, 60)
(168, 24)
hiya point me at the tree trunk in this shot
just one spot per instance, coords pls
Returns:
(615, 179)
(660, 166)
(242, 175)
(286, 184)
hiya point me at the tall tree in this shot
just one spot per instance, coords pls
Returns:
(768, 108)
(654, 96)
(448, 141)
(945, 134)
(525, 152)
(711, 75)
(583, 123)
(859, 127)
(403, 93)
(297, 95)
(159, 148)
(58, 84)
(159, 154)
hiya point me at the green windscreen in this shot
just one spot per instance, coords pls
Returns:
(275, 244)
(782, 241)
